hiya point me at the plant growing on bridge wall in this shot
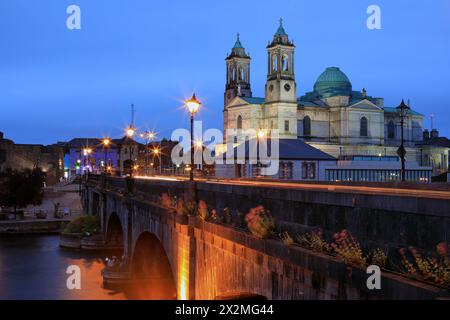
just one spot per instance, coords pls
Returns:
(435, 269)
(348, 249)
(186, 208)
(379, 258)
(314, 240)
(203, 211)
(215, 217)
(286, 238)
(166, 201)
(227, 217)
(260, 223)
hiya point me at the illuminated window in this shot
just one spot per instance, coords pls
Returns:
(285, 170)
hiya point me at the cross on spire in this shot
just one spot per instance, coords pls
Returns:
(238, 43)
(280, 31)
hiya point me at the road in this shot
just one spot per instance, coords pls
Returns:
(370, 190)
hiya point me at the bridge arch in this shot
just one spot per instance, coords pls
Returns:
(114, 231)
(150, 264)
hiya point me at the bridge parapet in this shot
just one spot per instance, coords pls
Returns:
(209, 259)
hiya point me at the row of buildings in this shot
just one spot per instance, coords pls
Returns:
(332, 133)
(65, 160)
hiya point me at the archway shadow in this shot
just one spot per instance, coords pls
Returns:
(152, 271)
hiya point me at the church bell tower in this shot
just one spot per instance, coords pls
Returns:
(238, 73)
(280, 85)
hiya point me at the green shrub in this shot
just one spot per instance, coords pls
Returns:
(260, 223)
(84, 224)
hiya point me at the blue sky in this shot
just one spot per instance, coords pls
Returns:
(56, 84)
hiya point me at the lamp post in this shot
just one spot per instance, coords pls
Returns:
(86, 152)
(130, 134)
(192, 105)
(157, 153)
(106, 143)
(149, 136)
(402, 111)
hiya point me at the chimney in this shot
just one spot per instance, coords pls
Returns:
(434, 134)
(426, 135)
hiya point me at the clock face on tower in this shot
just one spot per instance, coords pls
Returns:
(287, 87)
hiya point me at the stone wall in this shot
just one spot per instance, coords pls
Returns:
(209, 260)
(34, 226)
(231, 261)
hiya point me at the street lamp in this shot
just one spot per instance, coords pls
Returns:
(106, 143)
(157, 153)
(149, 136)
(402, 111)
(130, 132)
(192, 105)
(86, 152)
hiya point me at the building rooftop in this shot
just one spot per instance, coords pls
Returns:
(290, 149)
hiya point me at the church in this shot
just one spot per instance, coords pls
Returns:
(339, 120)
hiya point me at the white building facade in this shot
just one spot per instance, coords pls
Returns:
(333, 117)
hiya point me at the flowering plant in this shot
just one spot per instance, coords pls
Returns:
(314, 240)
(203, 212)
(435, 269)
(260, 223)
(348, 249)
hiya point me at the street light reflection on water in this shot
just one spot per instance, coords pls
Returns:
(34, 267)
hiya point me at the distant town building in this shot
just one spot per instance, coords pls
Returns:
(90, 155)
(28, 156)
(119, 156)
(333, 117)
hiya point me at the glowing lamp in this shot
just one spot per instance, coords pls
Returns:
(106, 142)
(261, 134)
(130, 132)
(193, 104)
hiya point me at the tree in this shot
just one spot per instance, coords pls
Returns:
(21, 188)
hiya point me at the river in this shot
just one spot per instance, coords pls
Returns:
(34, 267)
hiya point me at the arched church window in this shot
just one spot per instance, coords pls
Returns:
(363, 127)
(234, 74)
(391, 130)
(239, 122)
(241, 74)
(306, 126)
(275, 63)
(285, 62)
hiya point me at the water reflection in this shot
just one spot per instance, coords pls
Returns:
(34, 267)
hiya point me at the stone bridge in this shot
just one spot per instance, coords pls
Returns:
(196, 259)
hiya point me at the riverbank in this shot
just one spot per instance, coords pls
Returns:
(33, 226)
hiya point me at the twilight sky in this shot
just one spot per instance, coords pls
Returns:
(56, 84)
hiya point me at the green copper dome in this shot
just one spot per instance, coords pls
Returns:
(333, 82)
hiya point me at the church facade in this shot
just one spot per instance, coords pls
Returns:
(333, 117)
